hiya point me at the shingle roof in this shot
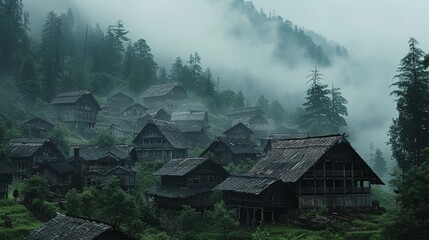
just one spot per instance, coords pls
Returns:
(38, 119)
(176, 192)
(188, 116)
(73, 97)
(24, 147)
(237, 125)
(191, 129)
(238, 145)
(135, 105)
(96, 152)
(245, 184)
(171, 132)
(160, 90)
(70, 97)
(63, 227)
(120, 94)
(179, 167)
(289, 159)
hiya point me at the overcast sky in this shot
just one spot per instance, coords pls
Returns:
(374, 32)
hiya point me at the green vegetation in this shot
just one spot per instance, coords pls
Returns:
(22, 221)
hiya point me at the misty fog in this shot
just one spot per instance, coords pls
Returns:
(374, 33)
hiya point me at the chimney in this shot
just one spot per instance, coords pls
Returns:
(76, 154)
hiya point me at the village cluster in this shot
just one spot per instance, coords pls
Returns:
(292, 169)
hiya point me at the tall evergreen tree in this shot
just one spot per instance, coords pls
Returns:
(177, 71)
(14, 41)
(409, 132)
(317, 108)
(379, 163)
(29, 83)
(277, 112)
(140, 68)
(51, 55)
(263, 103)
(207, 85)
(338, 109)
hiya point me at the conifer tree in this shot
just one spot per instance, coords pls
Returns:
(29, 83)
(379, 163)
(14, 41)
(316, 118)
(409, 132)
(51, 55)
(338, 109)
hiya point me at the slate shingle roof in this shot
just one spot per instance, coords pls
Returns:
(96, 152)
(24, 147)
(180, 167)
(176, 192)
(73, 97)
(120, 94)
(136, 105)
(288, 159)
(36, 120)
(237, 145)
(237, 125)
(64, 227)
(245, 184)
(188, 116)
(70, 97)
(191, 129)
(160, 90)
(171, 132)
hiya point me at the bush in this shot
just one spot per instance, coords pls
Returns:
(43, 210)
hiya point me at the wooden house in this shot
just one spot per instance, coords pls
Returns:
(96, 164)
(239, 130)
(301, 173)
(247, 112)
(73, 228)
(6, 177)
(161, 140)
(232, 150)
(58, 175)
(134, 111)
(193, 125)
(117, 103)
(187, 181)
(195, 135)
(26, 154)
(168, 95)
(160, 114)
(77, 110)
(39, 127)
(121, 130)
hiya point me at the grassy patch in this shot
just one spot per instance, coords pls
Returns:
(22, 222)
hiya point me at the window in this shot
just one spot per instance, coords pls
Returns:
(211, 179)
(329, 183)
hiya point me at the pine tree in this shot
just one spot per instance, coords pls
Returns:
(140, 68)
(177, 71)
(409, 132)
(263, 103)
(29, 83)
(14, 41)
(379, 163)
(338, 109)
(51, 55)
(317, 108)
(277, 112)
(207, 85)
